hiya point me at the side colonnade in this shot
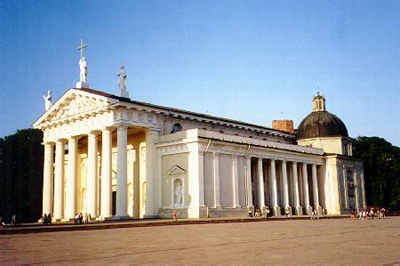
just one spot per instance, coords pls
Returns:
(281, 186)
(282, 195)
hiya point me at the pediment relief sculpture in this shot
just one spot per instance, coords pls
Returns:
(77, 105)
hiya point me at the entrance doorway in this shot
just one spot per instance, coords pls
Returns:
(114, 203)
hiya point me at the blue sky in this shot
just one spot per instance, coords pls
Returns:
(245, 60)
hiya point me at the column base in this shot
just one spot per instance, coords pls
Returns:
(299, 210)
(309, 210)
(121, 217)
(64, 220)
(319, 210)
(56, 220)
(277, 211)
(102, 219)
(150, 216)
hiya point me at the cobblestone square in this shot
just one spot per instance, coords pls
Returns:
(342, 241)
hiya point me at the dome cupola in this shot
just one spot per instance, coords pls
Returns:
(321, 123)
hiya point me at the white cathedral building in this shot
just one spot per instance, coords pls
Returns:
(115, 158)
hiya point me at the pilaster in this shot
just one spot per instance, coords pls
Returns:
(196, 180)
(363, 189)
(152, 175)
(346, 188)
(235, 181)
(217, 196)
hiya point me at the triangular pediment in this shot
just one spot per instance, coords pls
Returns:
(74, 103)
(176, 170)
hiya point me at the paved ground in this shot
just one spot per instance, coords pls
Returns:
(344, 241)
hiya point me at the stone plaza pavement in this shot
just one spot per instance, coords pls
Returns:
(291, 242)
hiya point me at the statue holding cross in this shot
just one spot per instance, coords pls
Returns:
(83, 68)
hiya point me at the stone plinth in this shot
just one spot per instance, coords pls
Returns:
(81, 84)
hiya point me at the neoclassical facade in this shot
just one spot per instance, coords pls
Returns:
(117, 158)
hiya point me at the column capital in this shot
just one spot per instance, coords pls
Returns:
(108, 128)
(153, 130)
(294, 163)
(93, 133)
(122, 127)
(73, 138)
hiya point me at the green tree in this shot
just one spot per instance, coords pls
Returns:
(21, 175)
(381, 170)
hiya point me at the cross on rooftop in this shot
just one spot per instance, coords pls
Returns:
(81, 47)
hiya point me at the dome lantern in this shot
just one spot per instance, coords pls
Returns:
(319, 103)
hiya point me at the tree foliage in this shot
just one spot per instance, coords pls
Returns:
(21, 175)
(381, 170)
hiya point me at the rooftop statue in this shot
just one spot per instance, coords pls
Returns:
(83, 70)
(47, 100)
(122, 83)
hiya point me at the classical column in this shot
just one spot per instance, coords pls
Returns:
(260, 183)
(363, 189)
(122, 178)
(71, 179)
(345, 188)
(59, 181)
(217, 197)
(275, 206)
(235, 181)
(315, 188)
(248, 182)
(106, 168)
(305, 190)
(92, 175)
(296, 189)
(48, 178)
(285, 185)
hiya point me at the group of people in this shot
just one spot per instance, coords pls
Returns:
(257, 212)
(369, 214)
(46, 219)
(79, 218)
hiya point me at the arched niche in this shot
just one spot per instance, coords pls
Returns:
(176, 176)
